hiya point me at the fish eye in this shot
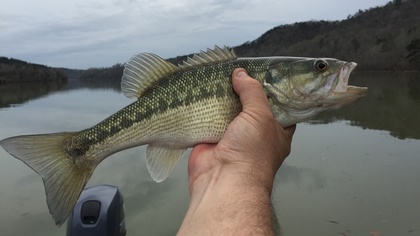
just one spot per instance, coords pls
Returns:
(321, 65)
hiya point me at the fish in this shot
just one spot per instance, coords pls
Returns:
(177, 107)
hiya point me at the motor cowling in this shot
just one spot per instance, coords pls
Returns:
(98, 212)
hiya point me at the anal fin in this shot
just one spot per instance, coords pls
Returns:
(161, 161)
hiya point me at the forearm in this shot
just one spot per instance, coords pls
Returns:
(231, 181)
(227, 202)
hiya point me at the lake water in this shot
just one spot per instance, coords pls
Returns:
(355, 171)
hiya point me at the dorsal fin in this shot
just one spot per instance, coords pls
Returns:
(143, 70)
(210, 57)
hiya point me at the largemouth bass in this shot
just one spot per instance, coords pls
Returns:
(178, 107)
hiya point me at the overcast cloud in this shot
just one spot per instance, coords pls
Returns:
(98, 33)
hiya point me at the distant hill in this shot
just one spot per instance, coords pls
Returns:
(380, 38)
(108, 73)
(14, 71)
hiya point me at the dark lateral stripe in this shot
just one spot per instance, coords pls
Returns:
(183, 88)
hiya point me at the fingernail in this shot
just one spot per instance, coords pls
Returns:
(241, 74)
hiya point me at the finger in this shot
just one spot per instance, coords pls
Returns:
(200, 154)
(250, 91)
(290, 130)
(200, 148)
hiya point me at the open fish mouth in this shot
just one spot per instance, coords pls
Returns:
(339, 82)
(340, 93)
(343, 77)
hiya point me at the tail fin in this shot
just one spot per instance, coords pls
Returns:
(63, 180)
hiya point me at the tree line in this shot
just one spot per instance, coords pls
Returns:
(380, 38)
(15, 71)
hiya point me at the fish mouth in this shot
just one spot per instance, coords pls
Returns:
(343, 80)
(340, 92)
(343, 77)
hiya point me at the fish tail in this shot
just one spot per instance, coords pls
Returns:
(63, 179)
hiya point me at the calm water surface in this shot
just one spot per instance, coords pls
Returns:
(355, 171)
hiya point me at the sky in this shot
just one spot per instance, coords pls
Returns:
(81, 34)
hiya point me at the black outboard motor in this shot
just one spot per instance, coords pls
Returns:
(98, 212)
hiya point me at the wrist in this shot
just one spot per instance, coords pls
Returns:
(242, 176)
(229, 199)
(246, 176)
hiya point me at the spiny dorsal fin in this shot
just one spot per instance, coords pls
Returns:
(210, 57)
(143, 70)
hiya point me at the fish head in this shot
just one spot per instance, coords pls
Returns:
(300, 88)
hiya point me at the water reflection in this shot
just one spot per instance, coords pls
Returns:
(362, 178)
(392, 104)
(94, 84)
(14, 94)
(302, 177)
(18, 93)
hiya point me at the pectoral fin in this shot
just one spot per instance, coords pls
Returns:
(161, 161)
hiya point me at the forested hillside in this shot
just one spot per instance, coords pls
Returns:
(381, 38)
(14, 71)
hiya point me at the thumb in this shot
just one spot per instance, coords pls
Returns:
(250, 91)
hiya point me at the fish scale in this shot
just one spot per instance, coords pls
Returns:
(178, 107)
(178, 90)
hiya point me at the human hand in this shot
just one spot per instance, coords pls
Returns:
(253, 140)
(239, 171)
